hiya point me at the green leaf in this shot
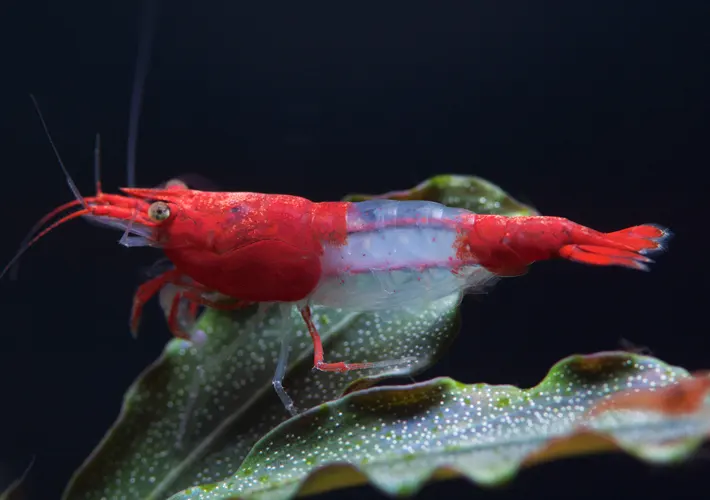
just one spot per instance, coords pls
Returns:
(469, 192)
(398, 438)
(193, 415)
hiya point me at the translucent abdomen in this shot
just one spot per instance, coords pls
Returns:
(398, 254)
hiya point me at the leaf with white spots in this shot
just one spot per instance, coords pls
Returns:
(193, 415)
(400, 437)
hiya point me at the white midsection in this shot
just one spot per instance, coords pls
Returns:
(398, 255)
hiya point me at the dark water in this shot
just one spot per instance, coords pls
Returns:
(596, 111)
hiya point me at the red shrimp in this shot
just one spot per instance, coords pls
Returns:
(232, 249)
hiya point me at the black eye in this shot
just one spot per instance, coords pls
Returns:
(159, 211)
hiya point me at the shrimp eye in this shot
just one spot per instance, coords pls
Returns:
(159, 211)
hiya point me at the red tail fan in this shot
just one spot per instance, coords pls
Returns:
(627, 248)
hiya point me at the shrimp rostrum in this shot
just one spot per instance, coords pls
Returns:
(234, 249)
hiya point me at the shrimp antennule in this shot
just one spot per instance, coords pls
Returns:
(70, 181)
(14, 270)
(30, 239)
(110, 209)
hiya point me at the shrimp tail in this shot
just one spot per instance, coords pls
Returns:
(628, 247)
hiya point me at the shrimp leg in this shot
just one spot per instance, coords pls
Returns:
(182, 319)
(318, 361)
(280, 373)
(318, 357)
(146, 292)
(178, 325)
(192, 292)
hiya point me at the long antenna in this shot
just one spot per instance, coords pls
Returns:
(144, 50)
(13, 266)
(70, 181)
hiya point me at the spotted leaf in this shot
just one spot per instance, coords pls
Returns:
(193, 415)
(400, 437)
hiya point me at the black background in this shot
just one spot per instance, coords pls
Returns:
(596, 111)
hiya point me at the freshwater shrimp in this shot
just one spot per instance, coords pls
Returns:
(233, 249)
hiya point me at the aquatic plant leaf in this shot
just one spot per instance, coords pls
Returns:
(466, 191)
(193, 415)
(400, 437)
